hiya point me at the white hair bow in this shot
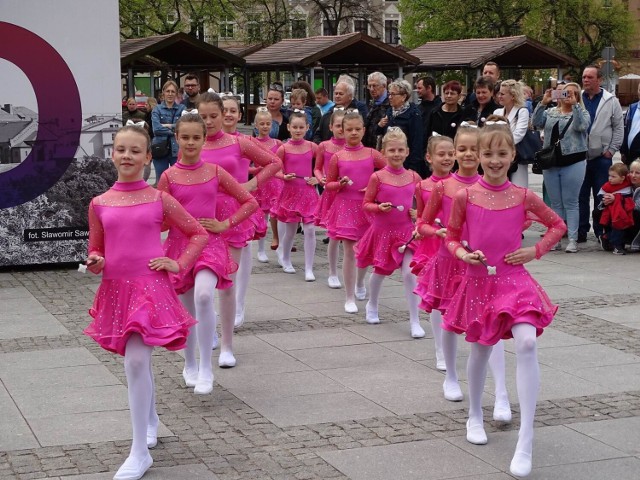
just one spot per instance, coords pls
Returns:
(193, 111)
(499, 122)
(468, 125)
(135, 124)
(435, 134)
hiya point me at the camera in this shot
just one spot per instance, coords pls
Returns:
(559, 94)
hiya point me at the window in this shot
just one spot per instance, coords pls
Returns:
(171, 17)
(391, 33)
(298, 28)
(226, 29)
(326, 27)
(361, 25)
(253, 27)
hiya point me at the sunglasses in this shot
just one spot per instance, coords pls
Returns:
(277, 87)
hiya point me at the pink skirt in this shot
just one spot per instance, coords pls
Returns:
(347, 220)
(298, 203)
(215, 257)
(438, 282)
(426, 249)
(268, 194)
(379, 247)
(146, 305)
(487, 307)
(252, 228)
(323, 208)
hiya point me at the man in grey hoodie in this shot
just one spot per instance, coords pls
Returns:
(605, 136)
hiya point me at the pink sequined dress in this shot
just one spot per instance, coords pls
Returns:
(299, 199)
(441, 275)
(486, 307)
(389, 230)
(269, 192)
(325, 151)
(124, 227)
(197, 187)
(426, 247)
(347, 219)
(234, 154)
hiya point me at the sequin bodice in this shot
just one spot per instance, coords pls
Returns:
(395, 186)
(357, 163)
(297, 157)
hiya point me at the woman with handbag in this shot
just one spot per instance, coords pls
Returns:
(164, 147)
(511, 97)
(565, 128)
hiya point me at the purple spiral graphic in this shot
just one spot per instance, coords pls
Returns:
(59, 112)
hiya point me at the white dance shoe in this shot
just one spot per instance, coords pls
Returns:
(417, 331)
(371, 315)
(152, 436)
(190, 377)
(133, 468)
(288, 268)
(520, 464)
(226, 360)
(204, 385)
(350, 307)
(309, 276)
(334, 282)
(476, 434)
(452, 391)
(502, 412)
(441, 364)
(239, 320)
(262, 257)
(361, 293)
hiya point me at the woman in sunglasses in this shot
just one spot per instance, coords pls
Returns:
(279, 116)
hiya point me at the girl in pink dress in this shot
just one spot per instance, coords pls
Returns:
(326, 150)
(389, 198)
(348, 173)
(196, 185)
(299, 196)
(234, 154)
(135, 307)
(502, 301)
(269, 192)
(441, 158)
(440, 277)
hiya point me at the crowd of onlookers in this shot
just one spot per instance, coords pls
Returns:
(584, 122)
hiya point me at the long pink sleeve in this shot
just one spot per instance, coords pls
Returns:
(175, 215)
(333, 174)
(378, 160)
(96, 233)
(456, 222)
(248, 204)
(541, 213)
(425, 225)
(260, 157)
(318, 168)
(369, 203)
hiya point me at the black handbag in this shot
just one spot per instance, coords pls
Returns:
(546, 158)
(528, 146)
(162, 149)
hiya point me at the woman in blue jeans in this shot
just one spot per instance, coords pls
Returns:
(163, 122)
(564, 180)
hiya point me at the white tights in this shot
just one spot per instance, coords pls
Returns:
(527, 381)
(241, 280)
(261, 241)
(353, 276)
(309, 230)
(141, 392)
(409, 282)
(199, 301)
(332, 255)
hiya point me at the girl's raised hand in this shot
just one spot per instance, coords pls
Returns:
(289, 176)
(95, 263)
(213, 225)
(385, 207)
(312, 181)
(441, 232)
(520, 256)
(344, 180)
(473, 258)
(164, 263)
(413, 213)
(416, 234)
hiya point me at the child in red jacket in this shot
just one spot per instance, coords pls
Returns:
(617, 206)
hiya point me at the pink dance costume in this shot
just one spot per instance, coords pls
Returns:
(326, 150)
(487, 307)
(299, 199)
(347, 218)
(234, 154)
(440, 277)
(269, 192)
(125, 226)
(197, 188)
(427, 247)
(389, 230)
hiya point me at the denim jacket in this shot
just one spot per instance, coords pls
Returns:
(160, 115)
(575, 139)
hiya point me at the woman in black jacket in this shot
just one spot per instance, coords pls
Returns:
(446, 119)
(405, 115)
(483, 104)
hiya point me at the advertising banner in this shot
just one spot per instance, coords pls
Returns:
(60, 107)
